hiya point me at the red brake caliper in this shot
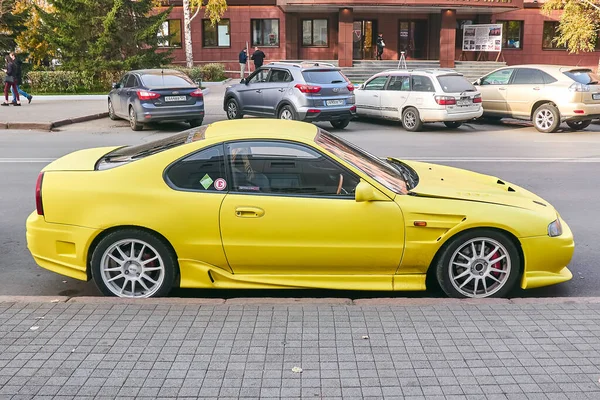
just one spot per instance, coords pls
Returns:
(496, 265)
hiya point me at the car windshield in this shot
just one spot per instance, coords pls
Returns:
(156, 81)
(376, 168)
(584, 76)
(323, 76)
(455, 84)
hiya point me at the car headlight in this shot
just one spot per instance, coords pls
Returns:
(555, 228)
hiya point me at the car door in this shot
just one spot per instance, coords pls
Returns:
(126, 93)
(368, 97)
(494, 91)
(284, 216)
(394, 96)
(118, 93)
(251, 93)
(422, 95)
(526, 87)
(274, 89)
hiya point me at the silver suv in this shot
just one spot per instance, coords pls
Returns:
(299, 91)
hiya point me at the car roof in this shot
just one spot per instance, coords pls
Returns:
(549, 68)
(428, 71)
(251, 128)
(157, 71)
(304, 65)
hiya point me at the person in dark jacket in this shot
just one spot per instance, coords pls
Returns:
(259, 57)
(18, 63)
(380, 45)
(10, 81)
(243, 58)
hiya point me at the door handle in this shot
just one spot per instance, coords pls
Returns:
(249, 212)
(536, 88)
(501, 88)
(282, 90)
(375, 95)
(259, 91)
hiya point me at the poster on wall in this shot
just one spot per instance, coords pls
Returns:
(482, 37)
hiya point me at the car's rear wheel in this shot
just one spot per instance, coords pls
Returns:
(479, 263)
(133, 263)
(341, 124)
(133, 122)
(411, 120)
(287, 112)
(111, 111)
(579, 125)
(195, 122)
(546, 118)
(233, 109)
(453, 124)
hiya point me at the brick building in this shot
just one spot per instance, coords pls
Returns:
(345, 30)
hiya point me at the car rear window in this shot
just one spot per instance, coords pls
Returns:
(584, 76)
(155, 81)
(455, 83)
(323, 76)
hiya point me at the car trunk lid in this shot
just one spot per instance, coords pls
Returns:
(81, 160)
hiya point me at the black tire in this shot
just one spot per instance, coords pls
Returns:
(232, 108)
(411, 120)
(546, 118)
(111, 111)
(169, 260)
(133, 122)
(195, 122)
(443, 266)
(453, 124)
(340, 124)
(579, 125)
(287, 112)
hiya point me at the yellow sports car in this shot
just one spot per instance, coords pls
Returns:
(284, 204)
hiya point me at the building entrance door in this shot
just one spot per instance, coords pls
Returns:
(363, 40)
(413, 39)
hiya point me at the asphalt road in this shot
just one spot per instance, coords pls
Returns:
(563, 168)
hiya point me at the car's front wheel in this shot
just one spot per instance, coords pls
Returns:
(133, 263)
(133, 122)
(341, 124)
(546, 118)
(579, 125)
(452, 124)
(411, 120)
(478, 263)
(233, 109)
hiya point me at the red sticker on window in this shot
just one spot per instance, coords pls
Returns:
(220, 184)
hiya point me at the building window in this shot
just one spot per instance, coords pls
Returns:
(169, 34)
(216, 35)
(265, 32)
(315, 32)
(512, 34)
(550, 33)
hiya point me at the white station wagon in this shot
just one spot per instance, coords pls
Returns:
(419, 96)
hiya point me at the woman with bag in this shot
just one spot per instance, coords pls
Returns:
(10, 80)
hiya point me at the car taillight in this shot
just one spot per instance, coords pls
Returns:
(146, 95)
(477, 99)
(38, 194)
(197, 93)
(445, 100)
(353, 108)
(308, 88)
(350, 87)
(579, 87)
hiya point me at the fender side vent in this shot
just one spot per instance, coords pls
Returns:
(511, 189)
(540, 203)
(211, 278)
(499, 182)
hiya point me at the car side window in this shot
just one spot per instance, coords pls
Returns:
(287, 168)
(421, 84)
(280, 75)
(399, 83)
(130, 81)
(528, 76)
(376, 83)
(260, 76)
(548, 78)
(201, 171)
(500, 77)
(123, 80)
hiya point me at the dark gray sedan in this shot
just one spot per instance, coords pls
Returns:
(156, 95)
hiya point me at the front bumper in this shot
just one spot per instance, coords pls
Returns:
(326, 114)
(546, 259)
(148, 112)
(59, 248)
(445, 116)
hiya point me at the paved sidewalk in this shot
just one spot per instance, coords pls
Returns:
(99, 348)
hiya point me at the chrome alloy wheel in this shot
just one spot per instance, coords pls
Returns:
(480, 267)
(286, 114)
(232, 110)
(410, 120)
(132, 268)
(544, 119)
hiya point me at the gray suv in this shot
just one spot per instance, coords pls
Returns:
(299, 91)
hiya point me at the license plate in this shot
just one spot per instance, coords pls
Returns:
(596, 96)
(464, 102)
(175, 98)
(335, 102)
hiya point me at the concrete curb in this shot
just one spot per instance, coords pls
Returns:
(48, 126)
(398, 302)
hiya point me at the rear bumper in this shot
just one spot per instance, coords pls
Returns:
(445, 116)
(590, 111)
(59, 248)
(326, 114)
(147, 112)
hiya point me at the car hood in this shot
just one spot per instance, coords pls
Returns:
(459, 184)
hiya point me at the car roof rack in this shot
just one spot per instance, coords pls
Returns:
(287, 64)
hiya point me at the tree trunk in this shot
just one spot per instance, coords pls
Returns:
(187, 27)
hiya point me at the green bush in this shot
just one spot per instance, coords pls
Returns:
(209, 72)
(59, 81)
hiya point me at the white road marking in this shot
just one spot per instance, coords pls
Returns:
(27, 160)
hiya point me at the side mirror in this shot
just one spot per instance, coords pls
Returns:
(116, 85)
(366, 192)
(361, 86)
(477, 82)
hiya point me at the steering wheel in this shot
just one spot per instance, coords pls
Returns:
(339, 189)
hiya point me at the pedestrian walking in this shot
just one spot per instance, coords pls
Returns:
(10, 81)
(258, 57)
(243, 59)
(380, 46)
(19, 77)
